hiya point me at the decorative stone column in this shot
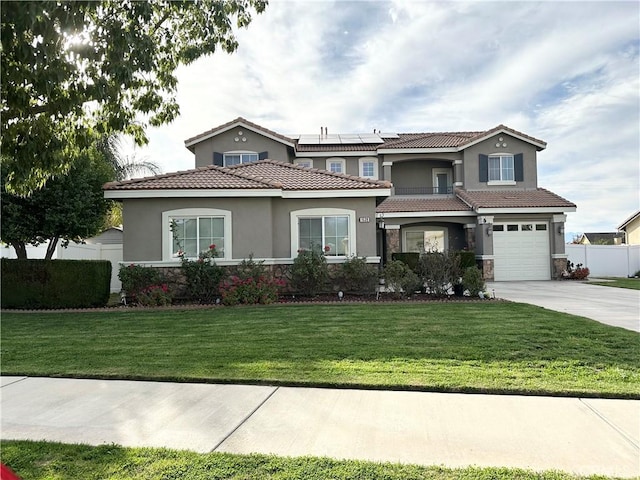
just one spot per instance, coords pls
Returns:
(458, 174)
(386, 174)
(392, 239)
(484, 246)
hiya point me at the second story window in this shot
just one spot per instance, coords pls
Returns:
(237, 158)
(336, 165)
(501, 168)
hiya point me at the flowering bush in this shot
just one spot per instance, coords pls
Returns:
(575, 272)
(250, 291)
(136, 278)
(155, 296)
(358, 276)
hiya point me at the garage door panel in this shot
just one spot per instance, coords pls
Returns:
(521, 255)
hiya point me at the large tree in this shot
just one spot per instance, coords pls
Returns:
(71, 70)
(68, 207)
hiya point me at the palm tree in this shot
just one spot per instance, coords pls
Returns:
(124, 167)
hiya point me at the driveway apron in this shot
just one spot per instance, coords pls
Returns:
(619, 307)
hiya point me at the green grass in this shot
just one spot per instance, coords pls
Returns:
(497, 347)
(43, 460)
(632, 283)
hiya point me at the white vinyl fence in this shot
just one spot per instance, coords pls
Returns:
(606, 260)
(74, 251)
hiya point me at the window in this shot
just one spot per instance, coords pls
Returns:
(421, 240)
(193, 230)
(335, 165)
(368, 167)
(501, 168)
(237, 158)
(329, 233)
(329, 229)
(304, 162)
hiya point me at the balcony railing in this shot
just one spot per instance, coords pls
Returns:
(423, 190)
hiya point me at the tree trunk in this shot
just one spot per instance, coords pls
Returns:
(51, 248)
(20, 248)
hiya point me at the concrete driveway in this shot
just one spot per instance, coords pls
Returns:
(619, 307)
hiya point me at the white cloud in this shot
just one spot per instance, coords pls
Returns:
(566, 72)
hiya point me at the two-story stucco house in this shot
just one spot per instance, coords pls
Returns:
(255, 191)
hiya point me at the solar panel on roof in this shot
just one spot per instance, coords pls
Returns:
(370, 138)
(332, 139)
(307, 139)
(389, 135)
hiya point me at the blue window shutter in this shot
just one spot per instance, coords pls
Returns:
(263, 155)
(218, 159)
(484, 168)
(518, 167)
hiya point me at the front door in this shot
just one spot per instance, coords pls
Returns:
(441, 181)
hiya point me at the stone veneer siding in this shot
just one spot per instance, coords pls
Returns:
(487, 270)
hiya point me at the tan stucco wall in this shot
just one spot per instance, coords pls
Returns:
(225, 142)
(259, 225)
(471, 162)
(633, 232)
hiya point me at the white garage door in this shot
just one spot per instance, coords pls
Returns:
(521, 251)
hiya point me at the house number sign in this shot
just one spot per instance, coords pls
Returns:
(364, 219)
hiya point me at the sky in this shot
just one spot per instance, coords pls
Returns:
(564, 72)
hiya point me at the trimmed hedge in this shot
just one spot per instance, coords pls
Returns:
(36, 283)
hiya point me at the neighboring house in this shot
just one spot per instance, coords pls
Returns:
(630, 228)
(110, 236)
(359, 194)
(605, 238)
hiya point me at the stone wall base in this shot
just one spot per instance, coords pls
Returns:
(559, 266)
(487, 270)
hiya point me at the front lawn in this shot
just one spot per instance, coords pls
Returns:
(632, 283)
(43, 460)
(488, 346)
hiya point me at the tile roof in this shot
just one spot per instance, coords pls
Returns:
(430, 140)
(244, 121)
(513, 199)
(267, 174)
(421, 204)
(295, 177)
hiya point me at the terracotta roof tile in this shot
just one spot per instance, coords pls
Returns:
(266, 174)
(421, 204)
(295, 177)
(430, 140)
(513, 199)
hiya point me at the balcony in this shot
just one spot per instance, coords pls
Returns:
(424, 190)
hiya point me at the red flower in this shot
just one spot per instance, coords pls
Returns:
(327, 248)
(212, 246)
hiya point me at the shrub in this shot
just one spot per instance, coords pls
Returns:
(575, 272)
(409, 258)
(439, 271)
(37, 283)
(309, 272)
(250, 291)
(137, 278)
(358, 276)
(155, 296)
(400, 279)
(202, 279)
(467, 259)
(472, 281)
(249, 268)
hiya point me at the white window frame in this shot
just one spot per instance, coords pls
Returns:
(242, 154)
(167, 235)
(321, 213)
(304, 162)
(423, 230)
(361, 163)
(341, 161)
(501, 180)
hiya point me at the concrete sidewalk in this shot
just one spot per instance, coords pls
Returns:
(581, 436)
(619, 307)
